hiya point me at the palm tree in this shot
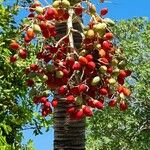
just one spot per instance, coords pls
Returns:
(68, 134)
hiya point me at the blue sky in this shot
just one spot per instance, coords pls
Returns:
(118, 9)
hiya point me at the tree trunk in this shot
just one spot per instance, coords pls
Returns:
(68, 134)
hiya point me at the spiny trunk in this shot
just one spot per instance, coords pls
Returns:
(68, 134)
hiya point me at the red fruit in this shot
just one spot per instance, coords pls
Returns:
(34, 67)
(76, 66)
(87, 111)
(120, 80)
(50, 14)
(47, 104)
(90, 102)
(30, 82)
(89, 57)
(104, 61)
(43, 99)
(128, 72)
(106, 45)
(30, 33)
(14, 45)
(40, 17)
(70, 110)
(98, 104)
(108, 36)
(74, 91)
(66, 72)
(51, 28)
(65, 16)
(70, 61)
(23, 53)
(70, 99)
(36, 99)
(13, 59)
(27, 39)
(79, 114)
(91, 65)
(122, 74)
(43, 25)
(126, 91)
(78, 10)
(123, 106)
(109, 70)
(82, 60)
(120, 89)
(31, 16)
(62, 90)
(112, 103)
(54, 102)
(103, 91)
(104, 11)
(46, 33)
(82, 88)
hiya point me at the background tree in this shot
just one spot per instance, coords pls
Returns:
(17, 112)
(44, 75)
(110, 128)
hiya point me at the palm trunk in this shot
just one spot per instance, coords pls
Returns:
(68, 134)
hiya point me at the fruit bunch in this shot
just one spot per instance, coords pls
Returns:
(84, 78)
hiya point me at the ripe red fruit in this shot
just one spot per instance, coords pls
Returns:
(65, 16)
(123, 106)
(43, 25)
(82, 60)
(120, 80)
(103, 91)
(76, 66)
(82, 88)
(87, 111)
(47, 104)
(91, 65)
(126, 91)
(70, 61)
(109, 70)
(108, 36)
(106, 45)
(90, 102)
(13, 59)
(36, 99)
(27, 39)
(14, 45)
(104, 61)
(78, 10)
(98, 104)
(122, 74)
(120, 89)
(89, 57)
(128, 72)
(62, 90)
(50, 14)
(112, 103)
(54, 102)
(79, 114)
(70, 99)
(104, 11)
(23, 53)
(70, 110)
(30, 33)
(30, 82)
(43, 99)
(34, 67)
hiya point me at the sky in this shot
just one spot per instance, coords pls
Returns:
(118, 9)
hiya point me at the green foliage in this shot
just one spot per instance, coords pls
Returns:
(111, 129)
(16, 107)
